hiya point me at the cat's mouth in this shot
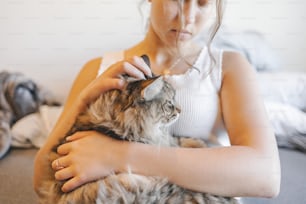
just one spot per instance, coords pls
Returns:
(172, 119)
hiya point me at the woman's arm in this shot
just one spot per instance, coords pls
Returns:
(86, 88)
(71, 109)
(250, 167)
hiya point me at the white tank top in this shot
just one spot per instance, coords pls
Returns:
(197, 93)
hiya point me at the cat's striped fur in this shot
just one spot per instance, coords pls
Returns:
(140, 113)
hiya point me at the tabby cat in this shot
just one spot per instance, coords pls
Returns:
(139, 113)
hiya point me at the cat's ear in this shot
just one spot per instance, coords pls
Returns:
(152, 89)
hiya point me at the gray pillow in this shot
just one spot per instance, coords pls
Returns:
(252, 45)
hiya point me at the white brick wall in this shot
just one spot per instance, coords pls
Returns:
(59, 35)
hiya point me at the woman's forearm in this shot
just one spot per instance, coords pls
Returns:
(227, 171)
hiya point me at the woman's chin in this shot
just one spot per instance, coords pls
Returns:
(174, 42)
(181, 36)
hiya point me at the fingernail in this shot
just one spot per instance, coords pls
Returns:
(63, 189)
(121, 83)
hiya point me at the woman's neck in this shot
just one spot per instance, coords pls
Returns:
(163, 57)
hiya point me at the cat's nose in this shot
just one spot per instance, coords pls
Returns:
(178, 109)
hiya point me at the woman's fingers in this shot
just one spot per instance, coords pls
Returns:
(77, 135)
(72, 184)
(63, 149)
(59, 163)
(82, 164)
(111, 78)
(107, 84)
(141, 65)
(64, 174)
(94, 89)
(131, 70)
(121, 68)
(134, 67)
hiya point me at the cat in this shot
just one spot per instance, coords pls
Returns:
(139, 113)
(19, 97)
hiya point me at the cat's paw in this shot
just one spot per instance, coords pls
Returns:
(191, 143)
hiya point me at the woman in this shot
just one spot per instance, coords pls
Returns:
(213, 88)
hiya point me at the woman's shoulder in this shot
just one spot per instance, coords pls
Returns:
(92, 66)
(234, 64)
(100, 64)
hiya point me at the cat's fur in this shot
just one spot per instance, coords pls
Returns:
(140, 113)
(19, 96)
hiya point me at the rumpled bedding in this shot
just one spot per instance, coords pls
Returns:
(285, 100)
(289, 124)
(284, 92)
(33, 130)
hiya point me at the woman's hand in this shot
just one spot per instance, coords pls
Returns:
(86, 88)
(134, 67)
(88, 156)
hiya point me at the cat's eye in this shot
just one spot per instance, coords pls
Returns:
(142, 100)
(168, 107)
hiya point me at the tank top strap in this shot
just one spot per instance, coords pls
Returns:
(210, 66)
(110, 58)
(217, 72)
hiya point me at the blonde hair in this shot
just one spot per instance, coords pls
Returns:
(219, 6)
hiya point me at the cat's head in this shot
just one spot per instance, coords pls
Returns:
(136, 113)
(153, 99)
